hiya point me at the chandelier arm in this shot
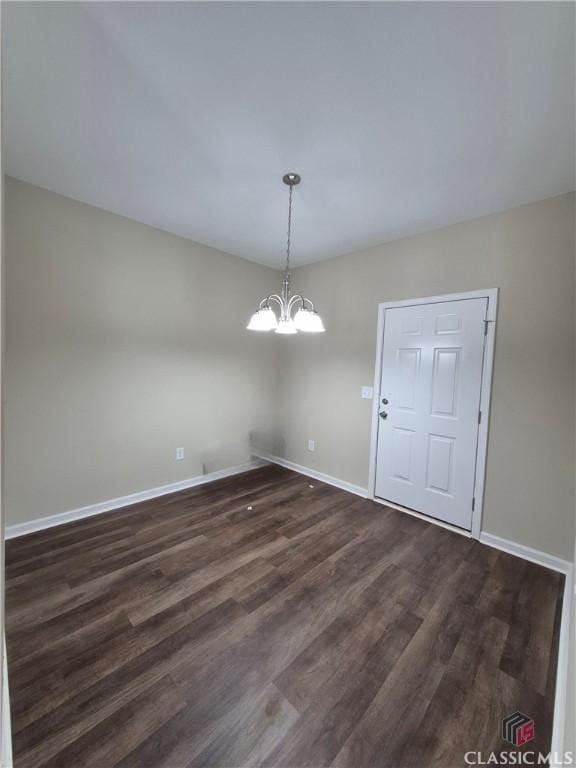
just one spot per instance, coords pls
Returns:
(274, 297)
(293, 300)
(303, 299)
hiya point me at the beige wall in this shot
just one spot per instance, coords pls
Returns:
(123, 343)
(528, 253)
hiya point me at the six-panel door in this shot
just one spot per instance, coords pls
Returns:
(432, 361)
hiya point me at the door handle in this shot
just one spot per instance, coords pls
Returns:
(383, 415)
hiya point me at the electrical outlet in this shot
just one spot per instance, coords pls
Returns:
(311, 445)
(367, 393)
(179, 454)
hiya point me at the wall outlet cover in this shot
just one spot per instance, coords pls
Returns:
(311, 445)
(367, 393)
(179, 454)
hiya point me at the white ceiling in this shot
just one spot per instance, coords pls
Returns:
(400, 117)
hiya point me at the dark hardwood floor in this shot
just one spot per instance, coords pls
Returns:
(271, 620)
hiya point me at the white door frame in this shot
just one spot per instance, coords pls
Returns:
(492, 295)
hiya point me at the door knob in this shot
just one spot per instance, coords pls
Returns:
(383, 415)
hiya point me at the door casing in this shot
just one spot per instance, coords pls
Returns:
(492, 295)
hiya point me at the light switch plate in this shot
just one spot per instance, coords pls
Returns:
(367, 393)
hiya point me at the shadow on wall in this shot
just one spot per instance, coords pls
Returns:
(224, 456)
(258, 442)
(266, 442)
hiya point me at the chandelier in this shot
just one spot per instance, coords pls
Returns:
(305, 316)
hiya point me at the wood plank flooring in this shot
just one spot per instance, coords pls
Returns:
(272, 620)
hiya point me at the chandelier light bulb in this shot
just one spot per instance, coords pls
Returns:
(263, 320)
(308, 321)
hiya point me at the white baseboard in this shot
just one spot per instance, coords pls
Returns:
(562, 681)
(343, 484)
(526, 553)
(5, 726)
(21, 529)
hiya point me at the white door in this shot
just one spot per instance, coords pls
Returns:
(429, 407)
